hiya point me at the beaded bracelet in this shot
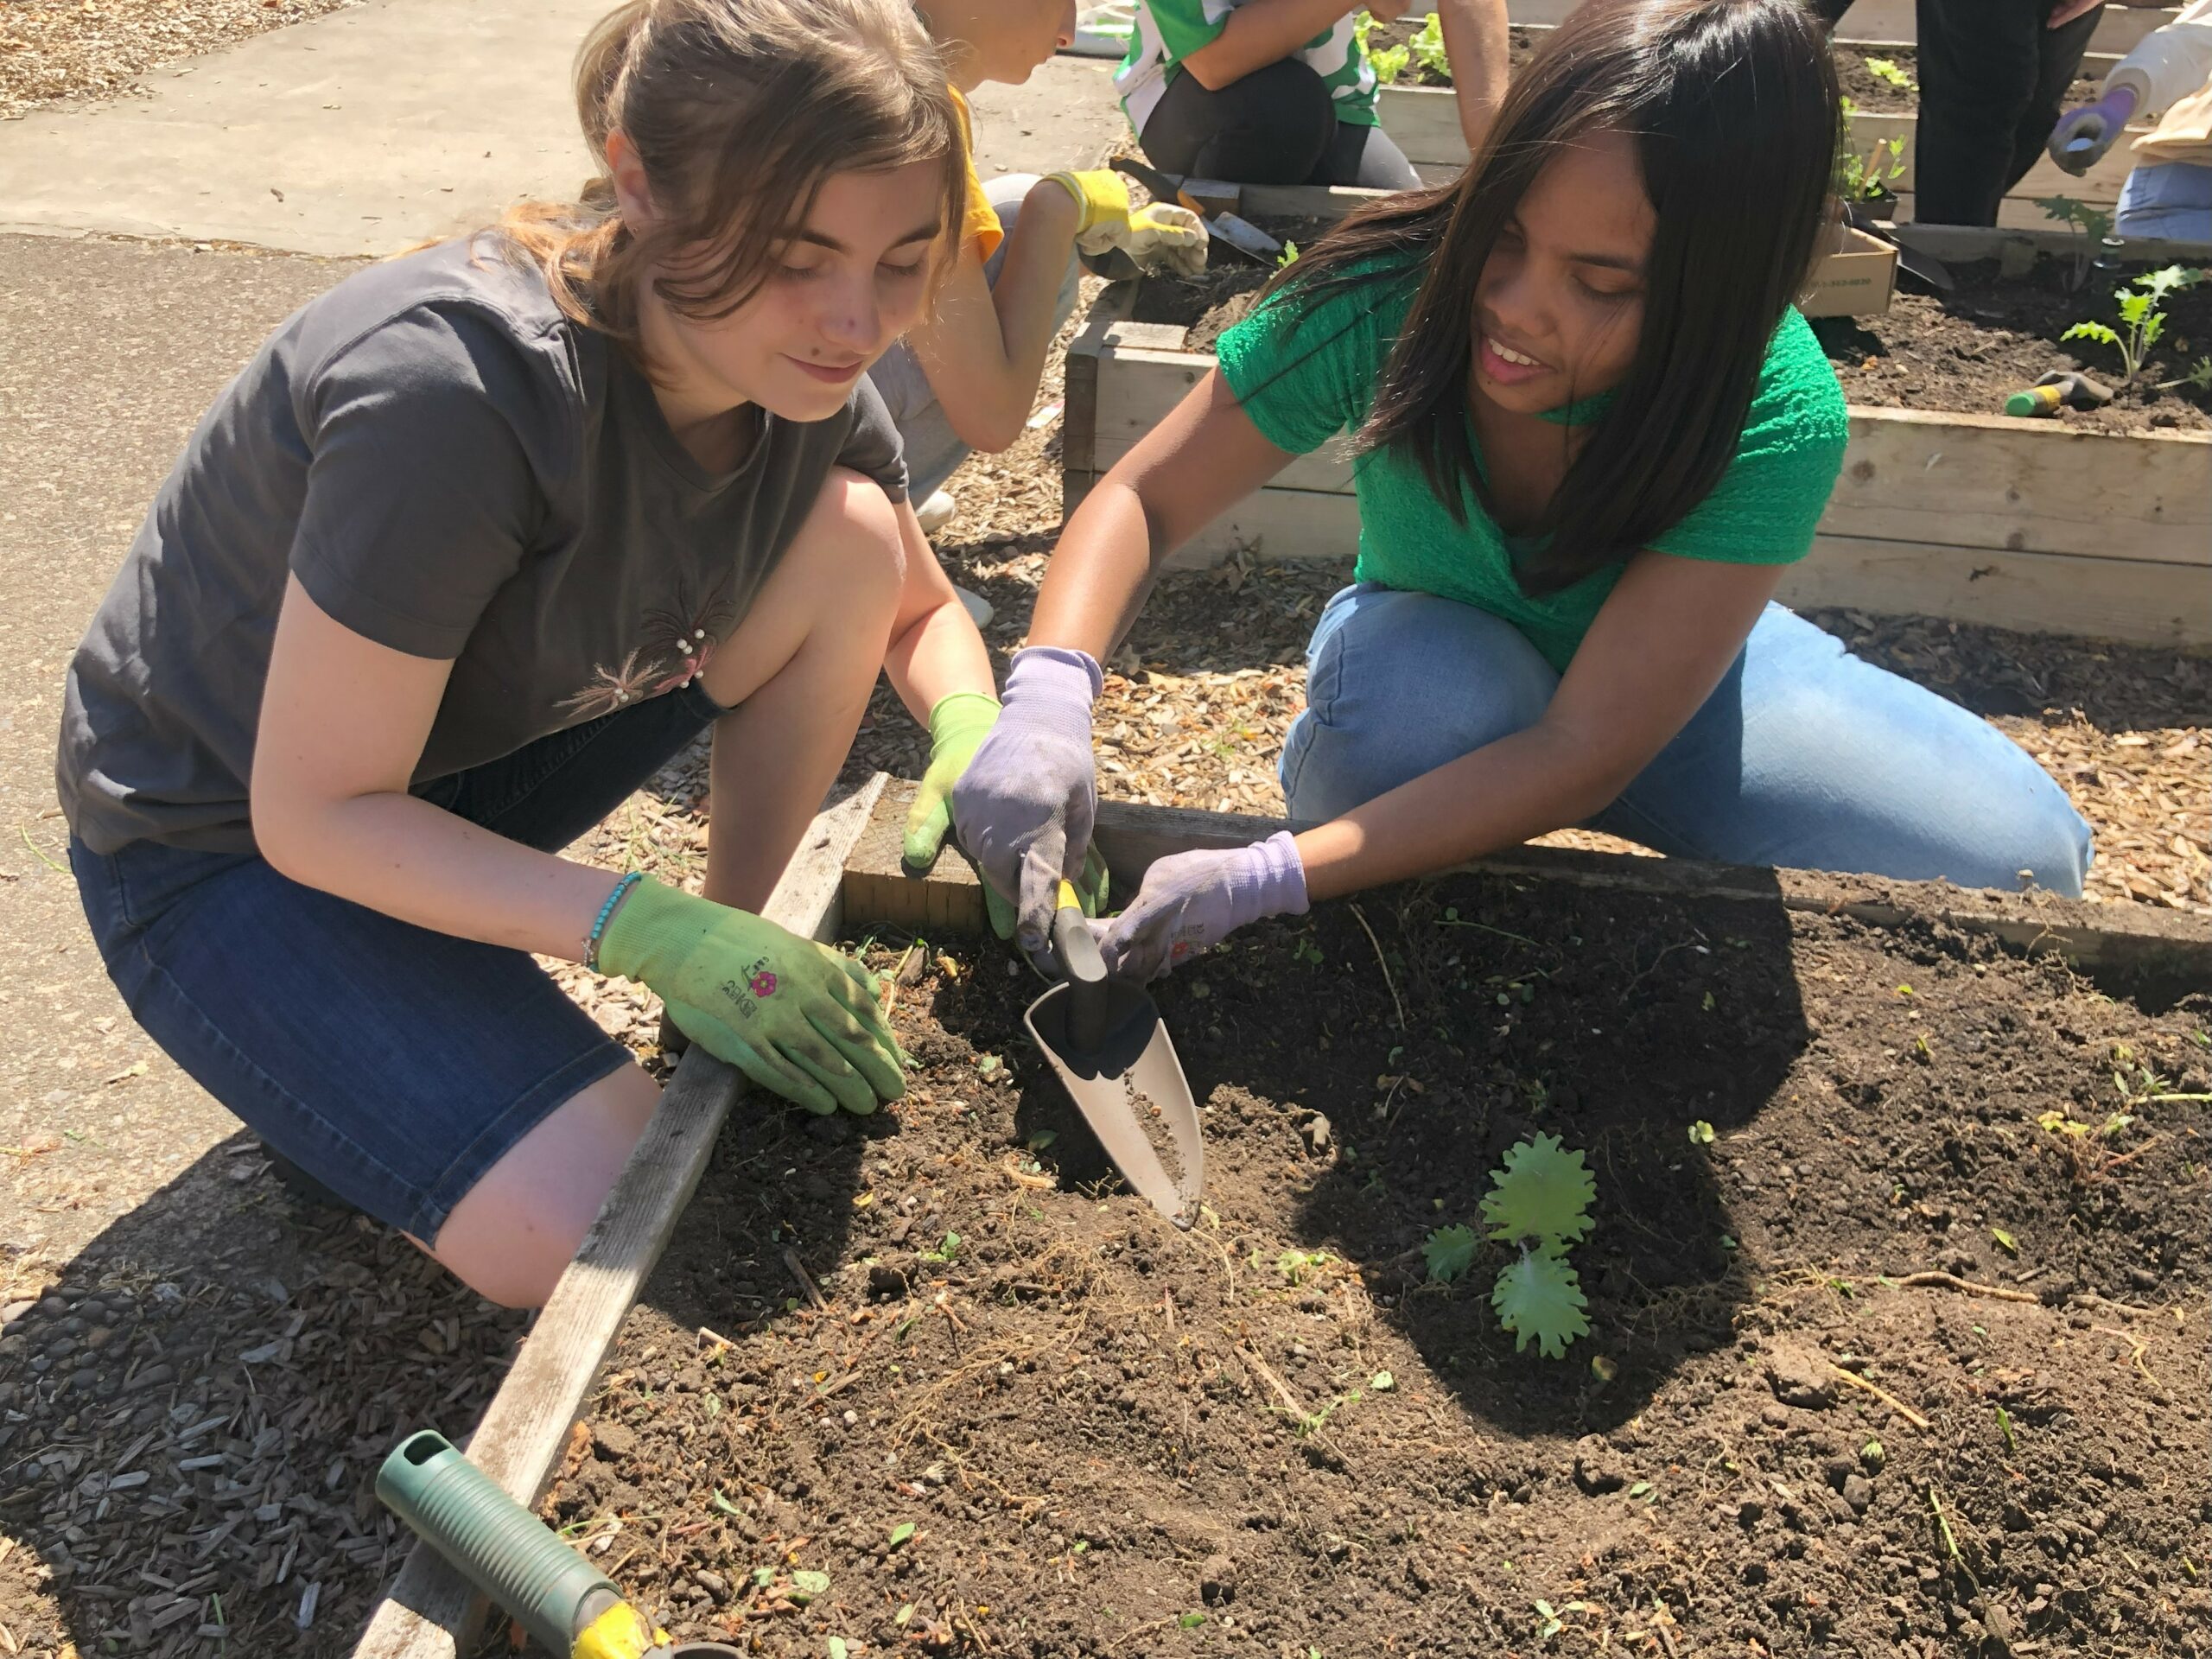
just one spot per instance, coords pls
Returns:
(599, 922)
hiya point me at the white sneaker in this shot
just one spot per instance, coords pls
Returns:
(937, 512)
(1103, 31)
(978, 609)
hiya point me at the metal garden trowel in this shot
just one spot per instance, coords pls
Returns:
(1104, 1037)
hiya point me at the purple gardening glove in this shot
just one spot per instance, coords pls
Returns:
(1191, 901)
(2082, 135)
(1024, 808)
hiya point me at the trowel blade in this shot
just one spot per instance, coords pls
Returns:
(1136, 1064)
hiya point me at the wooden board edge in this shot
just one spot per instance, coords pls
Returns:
(1131, 835)
(429, 1611)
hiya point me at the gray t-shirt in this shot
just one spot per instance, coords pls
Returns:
(453, 469)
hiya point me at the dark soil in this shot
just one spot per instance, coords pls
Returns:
(1211, 305)
(1872, 93)
(1965, 350)
(1031, 1418)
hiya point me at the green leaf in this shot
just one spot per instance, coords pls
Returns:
(1192, 1621)
(1540, 1297)
(1388, 64)
(838, 1649)
(1428, 46)
(2101, 333)
(1382, 1382)
(725, 1505)
(1451, 1252)
(902, 1532)
(807, 1585)
(1700, 1134)
(2004, 1241)
(2133, 308)
(1544, 1192)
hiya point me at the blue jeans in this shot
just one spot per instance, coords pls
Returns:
(393, 1064)
(2170, 199)
(1803, 756)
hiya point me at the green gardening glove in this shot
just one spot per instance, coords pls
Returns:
(795, 1017)
(958, 727)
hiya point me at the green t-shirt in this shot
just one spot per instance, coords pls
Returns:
(1167, 31)
(1304, 384)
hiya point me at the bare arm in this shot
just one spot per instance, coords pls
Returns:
(1479, 47)
(983, 347)
(1264, 32)
(1661, 641)
(343, 722)
(1202, 459)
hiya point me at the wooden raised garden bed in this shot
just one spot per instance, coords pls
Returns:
(1876, 1264)
(1424, 120)
(1983, 519)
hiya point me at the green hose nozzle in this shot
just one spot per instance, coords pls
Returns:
(498, 1546)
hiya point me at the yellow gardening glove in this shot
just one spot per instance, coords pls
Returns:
(1159, 236)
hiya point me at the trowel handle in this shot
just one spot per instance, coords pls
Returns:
(1077, 949)
(564, 1602)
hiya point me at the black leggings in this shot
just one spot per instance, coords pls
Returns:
(1275, 126)
(1992, 81)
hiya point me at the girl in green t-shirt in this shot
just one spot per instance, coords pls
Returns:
(1590, 432)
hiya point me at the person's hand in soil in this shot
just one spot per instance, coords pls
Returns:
(1159, 236)
(1192, 901)
(798, 1018)
(2101, 123)
(1025, 805)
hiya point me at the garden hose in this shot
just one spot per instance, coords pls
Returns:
(565, 1603)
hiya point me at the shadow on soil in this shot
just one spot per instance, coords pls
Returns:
(191, 1419)
(1614, 1021)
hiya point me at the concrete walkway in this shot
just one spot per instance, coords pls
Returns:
(353, 134)
(395, 121)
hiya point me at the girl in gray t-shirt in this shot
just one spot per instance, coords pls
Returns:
(477, 541)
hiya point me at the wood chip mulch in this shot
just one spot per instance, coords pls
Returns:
(190, 1428)
(52, 50)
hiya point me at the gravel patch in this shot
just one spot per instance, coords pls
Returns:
(50, 52)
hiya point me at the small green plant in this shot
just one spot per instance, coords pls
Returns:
(1700, 1134)
(2139, 316)
(1288, 257)
(1450, 1252)
(945, 1251)
(1540, 1201)
(1429, 48)
(2198, 378)
(1294, 1265)
(1886, 70)
(2093, 224)
(1870, 177)
(1389, 61)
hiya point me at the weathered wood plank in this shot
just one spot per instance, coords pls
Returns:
(2038, 487)
(430, 1612)
(1963, 244)
(2128, 938)
(2137, 602)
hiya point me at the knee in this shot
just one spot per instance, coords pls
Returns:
(1399, 684)
(2038, 840)
(854, 529)
(519, 1271)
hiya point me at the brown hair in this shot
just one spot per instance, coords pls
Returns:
(1732, 105)
(739, 110)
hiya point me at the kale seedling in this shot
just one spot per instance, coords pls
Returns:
(2139, 316)
(1870, 177)
(1538, 1202)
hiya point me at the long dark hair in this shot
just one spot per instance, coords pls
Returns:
(1732, 105)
